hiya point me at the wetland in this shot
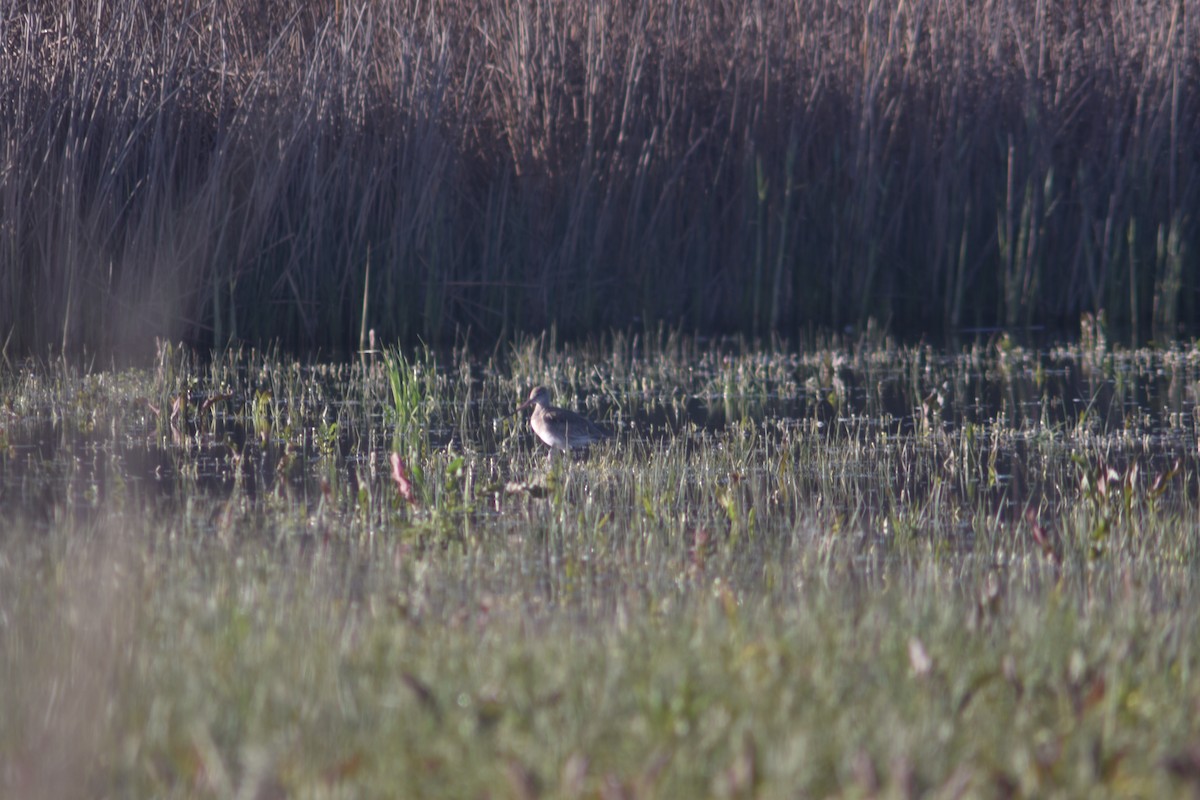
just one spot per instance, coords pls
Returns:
(850, 569)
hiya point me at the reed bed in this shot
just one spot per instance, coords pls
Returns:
(225, 171)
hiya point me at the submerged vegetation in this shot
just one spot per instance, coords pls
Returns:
(262, 171)
(853, 570)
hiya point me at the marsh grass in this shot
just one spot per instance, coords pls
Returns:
(229, 172)
(851, 571)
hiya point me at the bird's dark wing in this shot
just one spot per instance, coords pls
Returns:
(561, 416)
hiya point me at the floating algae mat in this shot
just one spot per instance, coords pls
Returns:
(854, 570)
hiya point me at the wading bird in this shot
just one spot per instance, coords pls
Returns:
(559, 428)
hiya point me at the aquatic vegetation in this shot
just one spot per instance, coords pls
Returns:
(274, 172)
(857, 569)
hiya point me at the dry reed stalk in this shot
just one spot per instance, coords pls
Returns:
(219, 171)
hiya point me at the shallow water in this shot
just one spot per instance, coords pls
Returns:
(994, 425)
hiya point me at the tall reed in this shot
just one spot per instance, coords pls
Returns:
(215, 171)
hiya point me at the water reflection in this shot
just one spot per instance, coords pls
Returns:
(978, 423)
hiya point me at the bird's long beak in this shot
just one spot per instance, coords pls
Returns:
(518, 409)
